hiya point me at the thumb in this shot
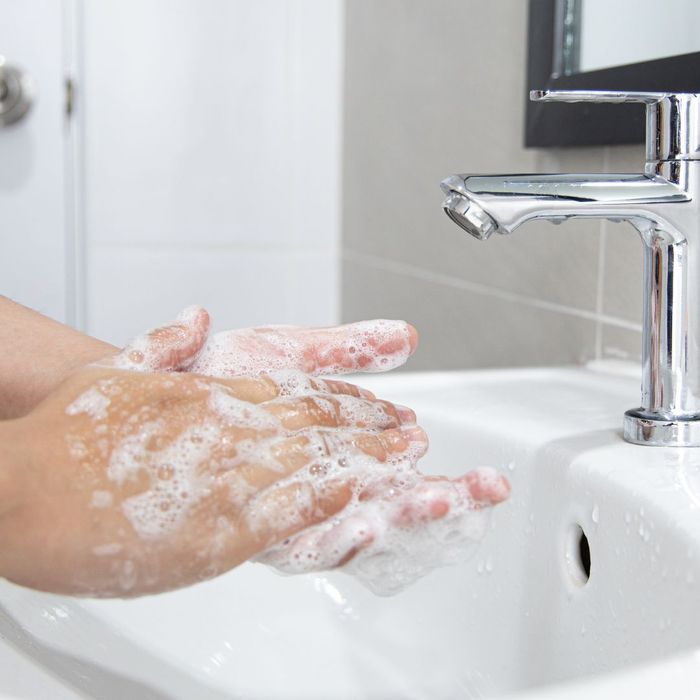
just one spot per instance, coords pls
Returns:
(169, 348)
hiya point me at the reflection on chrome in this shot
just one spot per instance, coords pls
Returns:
(663, 204)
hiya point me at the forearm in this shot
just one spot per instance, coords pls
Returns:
(10, 472)
(37, 354)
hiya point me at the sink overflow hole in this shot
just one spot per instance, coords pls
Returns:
(578, 555)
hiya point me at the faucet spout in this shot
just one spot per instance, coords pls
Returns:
(483, 205)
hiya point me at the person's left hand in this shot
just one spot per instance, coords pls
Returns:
(183, 345)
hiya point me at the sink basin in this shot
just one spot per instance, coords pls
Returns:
(585, 585)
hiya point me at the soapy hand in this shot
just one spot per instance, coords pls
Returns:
(398, 524)
(367, 346)
(128, 483)
(397, 529)
(150, 480)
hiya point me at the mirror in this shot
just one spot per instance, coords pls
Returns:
(604, 33)
(645, 45)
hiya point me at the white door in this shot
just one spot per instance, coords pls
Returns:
(35, 231)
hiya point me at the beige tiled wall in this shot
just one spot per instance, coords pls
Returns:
(434, 88)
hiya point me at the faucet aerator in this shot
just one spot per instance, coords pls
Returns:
(469, 216)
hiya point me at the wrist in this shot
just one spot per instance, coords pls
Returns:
(38, 354)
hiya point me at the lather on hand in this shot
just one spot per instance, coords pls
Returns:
(123, 483)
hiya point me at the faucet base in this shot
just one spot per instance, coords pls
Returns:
(643, 428)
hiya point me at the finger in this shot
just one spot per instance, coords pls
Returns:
(282, 511)
(366, 346)
(434, 497)
(390, 443)
(266, 387)
(173, 347)
(321, 547)
(334, 386)
(486, 486)
(297, 383)
(338, 411)
(254, 390)
(320, 451)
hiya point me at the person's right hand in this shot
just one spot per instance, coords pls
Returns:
(381, 514)
(124, 483)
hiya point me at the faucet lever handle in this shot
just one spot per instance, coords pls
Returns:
(616, 97)
(673, 118)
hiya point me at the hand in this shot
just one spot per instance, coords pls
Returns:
(39, 353)
(399, 518)
(399, 528)
(127, 483)
(367, 346)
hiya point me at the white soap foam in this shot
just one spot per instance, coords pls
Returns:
(393, 538)
(154, 350)
(175, 483)
(370, 346)
(92, 402)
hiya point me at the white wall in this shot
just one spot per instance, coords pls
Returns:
(210, 161)
(36, 266)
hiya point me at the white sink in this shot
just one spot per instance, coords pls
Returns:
(519, 616)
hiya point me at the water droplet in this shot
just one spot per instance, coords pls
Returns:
(489, 565)
(595, 514)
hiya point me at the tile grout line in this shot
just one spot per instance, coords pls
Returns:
(195, 246)
(477, 288)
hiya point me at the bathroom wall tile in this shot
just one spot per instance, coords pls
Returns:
(621, 344)
(623, 272)
(437, 120)
(461, 329)
(130, 290)
(570, 160)
(623, 261)
(626, 159)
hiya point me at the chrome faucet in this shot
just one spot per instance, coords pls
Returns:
(663, 204)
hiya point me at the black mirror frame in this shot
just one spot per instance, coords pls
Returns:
(585, 124)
